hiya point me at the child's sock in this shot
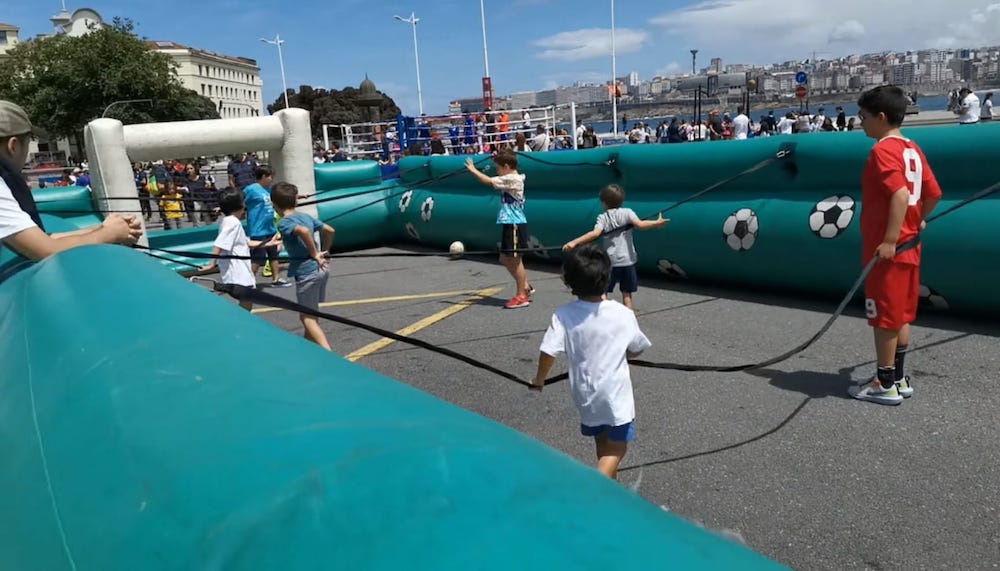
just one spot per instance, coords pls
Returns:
(900, 358)
(886, 376)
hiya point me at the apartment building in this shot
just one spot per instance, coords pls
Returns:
(232, 83)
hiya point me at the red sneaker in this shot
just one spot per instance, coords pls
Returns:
(518, 301)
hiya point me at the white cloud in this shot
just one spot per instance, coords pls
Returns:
(590, 43)
(847, 31)
(766, 31)
(565, 78)
(671, 69)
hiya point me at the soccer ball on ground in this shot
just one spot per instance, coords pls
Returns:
(740, 229)
(456, 249)
(831, 216)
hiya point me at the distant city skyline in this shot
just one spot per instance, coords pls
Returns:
(533, 44)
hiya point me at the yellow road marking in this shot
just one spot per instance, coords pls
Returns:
(381, 299)
(423, 323)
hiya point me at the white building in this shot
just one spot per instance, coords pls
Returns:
(79, 23)
(232, 83)
(8, 38)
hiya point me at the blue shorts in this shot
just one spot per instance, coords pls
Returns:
(620, 433)
(626, 277)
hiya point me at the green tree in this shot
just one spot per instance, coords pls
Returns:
(334, 107)
(65, 82)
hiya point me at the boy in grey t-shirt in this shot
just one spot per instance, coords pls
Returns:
(614, 227)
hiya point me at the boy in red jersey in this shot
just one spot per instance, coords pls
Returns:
(898, 192)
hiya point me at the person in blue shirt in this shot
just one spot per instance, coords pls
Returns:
(241, 171)
(260, 224)
(308, 263)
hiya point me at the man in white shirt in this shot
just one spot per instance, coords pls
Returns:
(540, 142)
(968, 108)
(20, 225)
(986, 113)
(741, 124)
(787, 124)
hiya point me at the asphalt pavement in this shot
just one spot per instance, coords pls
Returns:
(781, 456)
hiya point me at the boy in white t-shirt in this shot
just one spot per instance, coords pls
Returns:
(598, 336)
(614, 226)
(232, 241)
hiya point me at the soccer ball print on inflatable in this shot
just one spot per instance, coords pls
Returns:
(831, 216)
(740, 229)
(537, 247)
(427, 209)
(404, 202)
(931, 299)
(671, 269)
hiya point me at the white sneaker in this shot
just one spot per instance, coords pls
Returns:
(904, 388)
(873, 391)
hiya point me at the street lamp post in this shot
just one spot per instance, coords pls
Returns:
(614, 75)
(277, 41)
(412, 20)
(487, 81)
(486, 53)
(124, 102)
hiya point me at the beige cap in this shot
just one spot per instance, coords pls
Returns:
(13, 120)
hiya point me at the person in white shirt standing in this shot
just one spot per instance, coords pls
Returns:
(968, 108)
(741, 124)
(598, 336)
(986, 113)
(232, 245)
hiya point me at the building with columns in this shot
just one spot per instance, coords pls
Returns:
(8, 38)
(232, 83)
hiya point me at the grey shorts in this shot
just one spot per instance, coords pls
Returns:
(310, 290)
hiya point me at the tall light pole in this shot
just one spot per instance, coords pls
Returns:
(614, 75)
(412, 20)
(487, 82)
(486, 53)
(277, 41)
(124, 102)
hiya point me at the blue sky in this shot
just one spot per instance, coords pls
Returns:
(533, 44)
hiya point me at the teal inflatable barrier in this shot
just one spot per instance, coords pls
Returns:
(346, 174)
(173, 450)
(781, 229)
(68, 202)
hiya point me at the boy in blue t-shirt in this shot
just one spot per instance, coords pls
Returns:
(307, 266)
(260, 224)
(513, 223)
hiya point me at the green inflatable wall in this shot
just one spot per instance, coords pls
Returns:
(779, 229)
(167, 448)
(776, 229)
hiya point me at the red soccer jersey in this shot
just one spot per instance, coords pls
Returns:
(894, 163)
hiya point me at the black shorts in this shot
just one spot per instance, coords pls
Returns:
(262, 254)
(513, 238)
(626, 278)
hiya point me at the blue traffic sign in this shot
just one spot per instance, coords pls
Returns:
(801, 77)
